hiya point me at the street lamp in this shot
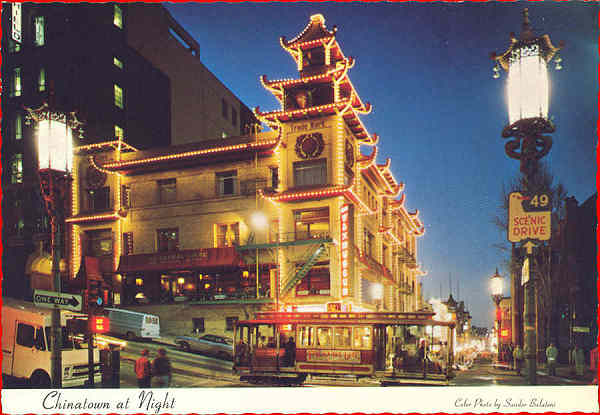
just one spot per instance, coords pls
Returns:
(526, 62)
(497, 287)
(55, 158)
(258, 221)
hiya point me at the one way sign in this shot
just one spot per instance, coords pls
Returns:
(50, 299)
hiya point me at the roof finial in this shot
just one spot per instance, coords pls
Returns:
(526, 31)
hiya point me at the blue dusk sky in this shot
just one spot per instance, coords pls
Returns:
(426, 69)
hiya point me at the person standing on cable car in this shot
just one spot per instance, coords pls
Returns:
(421, 354)
(290, 352)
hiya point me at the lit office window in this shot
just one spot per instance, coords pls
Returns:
(16, 169)
(18, 127)
(119, 133)
(42, 80)
(16, 83)
(117, 62)
(40, 31)
(118, 16)
(119, 102)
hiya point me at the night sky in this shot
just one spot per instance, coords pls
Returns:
(426, 70)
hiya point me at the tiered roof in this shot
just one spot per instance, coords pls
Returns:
(335, 70)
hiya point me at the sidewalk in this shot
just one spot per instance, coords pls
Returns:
(564, 372)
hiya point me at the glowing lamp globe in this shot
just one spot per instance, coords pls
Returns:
(527, 85)
(496, 284)
(55, 146)
(377, 291)
(259, 220)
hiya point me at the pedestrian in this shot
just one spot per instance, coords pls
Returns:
(579, 361)
(142, 370)
(551, 355)
(290, 352)
(161, 369)
(518, 357)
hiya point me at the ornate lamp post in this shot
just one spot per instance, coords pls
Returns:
(55, 158)
(497, 288)
(526, 62)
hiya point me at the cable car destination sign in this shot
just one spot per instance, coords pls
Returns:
(528, 217)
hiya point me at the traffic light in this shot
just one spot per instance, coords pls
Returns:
(95, 295)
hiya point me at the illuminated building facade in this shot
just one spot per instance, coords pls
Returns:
(97, 60)
(323, 225)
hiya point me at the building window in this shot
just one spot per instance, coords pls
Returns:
(40, 31)
(100, 242)
(227, 183)
(127, 243)
(117, 62)
(119, 133)
(224, 111)
(118, 16)
(385, 256)
(227, 235)
(19, 227)
(16, 83)
(99, 199)
(14, 46)
(368, 240)
(42, 80)
(316, 282)
(126, 196)
(310, 173)
(233, 116)
(167, 191)
(16, 168)
(167, 240)
(274, 177)
(230, 323)
(119, 101)
(18, 127)
(311, 223)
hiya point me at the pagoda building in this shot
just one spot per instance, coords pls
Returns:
(326, 183)
(296, 218)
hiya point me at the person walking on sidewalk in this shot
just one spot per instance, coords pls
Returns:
(142, 370)
(551, 355)
(518, 356)
(161, 369)
(579, 361)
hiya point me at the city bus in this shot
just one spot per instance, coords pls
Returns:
(391, 348)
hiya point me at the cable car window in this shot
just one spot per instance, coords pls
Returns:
(362, 337)
(323, 336)
(343, 337)
(305, 336)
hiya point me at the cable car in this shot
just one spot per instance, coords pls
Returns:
(391, 348)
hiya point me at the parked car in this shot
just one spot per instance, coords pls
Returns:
(219, 346)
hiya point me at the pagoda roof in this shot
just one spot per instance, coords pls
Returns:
(344, 107)
(198, 153)
(314, 34)
(339, 74)
(412, 218)
(103, 147)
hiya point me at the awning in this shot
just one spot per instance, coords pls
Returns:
(200, 259)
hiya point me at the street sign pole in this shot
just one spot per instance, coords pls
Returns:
(530, 352)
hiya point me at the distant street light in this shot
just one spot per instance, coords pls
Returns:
(526, 62)
(497, 288)
(55, 157)
(377, 294)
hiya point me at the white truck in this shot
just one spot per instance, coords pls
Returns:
(26, 346)
(133, 324)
